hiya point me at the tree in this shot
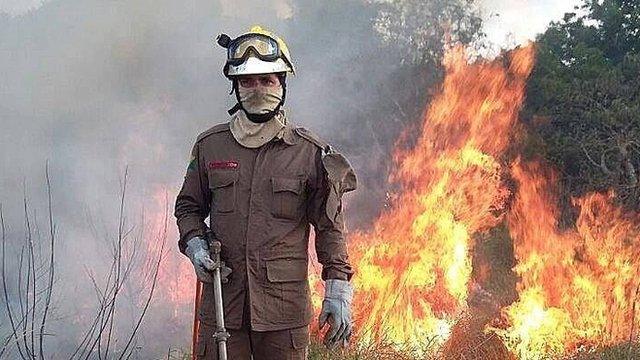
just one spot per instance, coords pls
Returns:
(419, 30)
(584, 97)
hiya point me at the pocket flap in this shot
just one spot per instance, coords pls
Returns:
(285, 270)
(286, 184)
(223, 178)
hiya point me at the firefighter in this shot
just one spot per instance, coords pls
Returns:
(263, 181)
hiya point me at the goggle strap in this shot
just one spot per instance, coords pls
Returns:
(223, 40)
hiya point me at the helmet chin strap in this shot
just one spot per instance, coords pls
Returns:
(259, 118)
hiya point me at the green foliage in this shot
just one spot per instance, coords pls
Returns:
(585, 98)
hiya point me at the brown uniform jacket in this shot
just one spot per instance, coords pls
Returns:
(261, 203)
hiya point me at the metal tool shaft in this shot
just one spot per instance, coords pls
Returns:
(221, 335)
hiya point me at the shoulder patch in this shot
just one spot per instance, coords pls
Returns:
(313, 138)
(216, 129)
(341, 178)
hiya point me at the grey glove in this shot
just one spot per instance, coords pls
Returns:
(336, 310)
(198, 252)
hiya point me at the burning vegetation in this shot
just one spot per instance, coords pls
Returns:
(414, 267)
(414, 286)
(578, 286)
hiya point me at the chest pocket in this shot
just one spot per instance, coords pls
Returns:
(222, 184)
(288, 197)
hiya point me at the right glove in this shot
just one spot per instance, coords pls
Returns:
(336, 311)
(198, 252)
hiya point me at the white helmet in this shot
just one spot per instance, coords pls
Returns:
(256, 52)
(254, 65)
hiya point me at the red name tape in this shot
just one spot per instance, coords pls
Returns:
(225, 164)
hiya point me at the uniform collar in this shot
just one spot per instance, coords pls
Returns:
(286, 134)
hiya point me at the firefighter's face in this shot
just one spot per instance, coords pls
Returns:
(261, 80)
(260, 94)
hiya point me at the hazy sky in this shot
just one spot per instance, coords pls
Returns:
(520, 20)
(516, 22)
(19, 7)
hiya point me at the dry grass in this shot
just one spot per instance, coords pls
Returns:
(317, 351)
(619, 352)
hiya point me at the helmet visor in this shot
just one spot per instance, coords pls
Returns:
(263, 46)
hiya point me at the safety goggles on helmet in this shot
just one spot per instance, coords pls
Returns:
(261, 46)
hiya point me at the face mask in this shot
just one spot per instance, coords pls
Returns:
(260, 100)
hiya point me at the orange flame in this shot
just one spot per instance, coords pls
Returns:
(413, 268)
(176, 279)
(577, 286)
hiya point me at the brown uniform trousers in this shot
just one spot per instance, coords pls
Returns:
(261, 203)
(289, 344)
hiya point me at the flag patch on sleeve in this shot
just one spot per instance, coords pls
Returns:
(192, 163)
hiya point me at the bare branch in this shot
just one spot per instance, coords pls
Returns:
(27, 326)
(51, 263)
(4, 287)
(119, 260)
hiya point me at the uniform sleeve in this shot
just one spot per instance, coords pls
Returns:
(325, 214)
(193, 202)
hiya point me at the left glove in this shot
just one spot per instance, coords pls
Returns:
(336, 311)
(198, 252)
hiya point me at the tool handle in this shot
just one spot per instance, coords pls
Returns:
(221, 335)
